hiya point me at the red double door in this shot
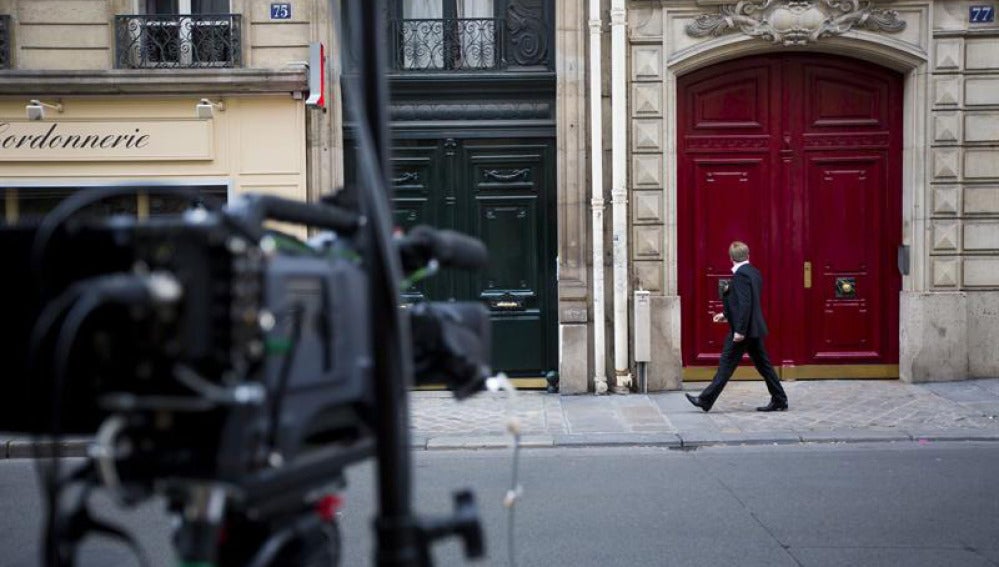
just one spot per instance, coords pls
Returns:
(799, 156)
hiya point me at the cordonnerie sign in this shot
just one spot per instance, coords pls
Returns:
(100, 141)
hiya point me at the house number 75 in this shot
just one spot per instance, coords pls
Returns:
(281, 11)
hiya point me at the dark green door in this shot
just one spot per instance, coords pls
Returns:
(501, 191)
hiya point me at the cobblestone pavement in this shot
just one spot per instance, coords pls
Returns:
(816, 406)
(821, 411)
(835, 405)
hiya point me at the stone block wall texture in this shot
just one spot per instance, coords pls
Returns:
(951, 212)
(962, 251)
(964, 197)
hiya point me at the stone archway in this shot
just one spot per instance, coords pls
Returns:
(799, 155)
(660, 52)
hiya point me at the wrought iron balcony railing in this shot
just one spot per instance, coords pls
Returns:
(5, 33)
(189, 41)
(450, 44)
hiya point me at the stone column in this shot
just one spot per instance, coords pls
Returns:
(573, 280)
(652, 194)
(323, 129)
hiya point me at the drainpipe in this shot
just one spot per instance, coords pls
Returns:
(619, 195)
(597, 200)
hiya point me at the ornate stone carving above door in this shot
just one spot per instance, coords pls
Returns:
(795, 22)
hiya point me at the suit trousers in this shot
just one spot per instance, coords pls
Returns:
(730, 357)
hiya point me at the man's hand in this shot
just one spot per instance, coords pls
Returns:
(718, 318)
(738, 337)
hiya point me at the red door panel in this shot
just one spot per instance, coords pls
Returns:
(739, 101)
(850, 143)
(843, 304)
(727, 166)
(800, 156)
(737, 184)
(844, 99)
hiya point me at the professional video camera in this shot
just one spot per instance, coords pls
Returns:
(224, 365)
(232, 369)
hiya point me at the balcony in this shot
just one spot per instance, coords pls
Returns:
(450, 44)
(178, 41)
(5, 32)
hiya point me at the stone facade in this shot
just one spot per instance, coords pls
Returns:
(950, 297)
(949, 303)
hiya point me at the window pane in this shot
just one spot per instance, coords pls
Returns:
(422, 42)
(161, 6)
(475, 8)
(422, 9)
(211, 196)
(476, 46)
(35, 202)
(209, 6)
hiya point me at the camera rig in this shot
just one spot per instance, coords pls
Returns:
(218, 363)
(236, 370)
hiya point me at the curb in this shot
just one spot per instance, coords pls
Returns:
(696, 440)
(77, 447)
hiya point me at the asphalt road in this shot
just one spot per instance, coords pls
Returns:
(884, 504)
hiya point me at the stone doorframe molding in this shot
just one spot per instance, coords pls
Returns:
(905, 57)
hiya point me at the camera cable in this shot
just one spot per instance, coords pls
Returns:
(127, 289)
(297, 315)
(513, 494)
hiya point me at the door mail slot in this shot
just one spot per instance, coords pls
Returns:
(507, 303)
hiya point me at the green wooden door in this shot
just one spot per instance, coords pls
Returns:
(501, 191)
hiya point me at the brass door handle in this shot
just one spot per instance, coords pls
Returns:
(846, 287)
(808, 275)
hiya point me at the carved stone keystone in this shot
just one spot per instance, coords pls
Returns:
(795, 22)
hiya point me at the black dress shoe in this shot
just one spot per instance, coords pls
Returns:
(696, 400)
(774, 405)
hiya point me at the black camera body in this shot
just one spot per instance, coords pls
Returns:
(265, 352)
(215, 360)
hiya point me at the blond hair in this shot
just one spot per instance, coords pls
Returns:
(738, 251)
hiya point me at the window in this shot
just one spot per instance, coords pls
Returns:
(5, 28)
(30, 204)
(447, 35)
(180, 33)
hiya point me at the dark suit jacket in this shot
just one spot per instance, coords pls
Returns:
(741, 302)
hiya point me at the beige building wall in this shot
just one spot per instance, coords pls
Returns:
(256, 143)
(80, 34)
(264, 140)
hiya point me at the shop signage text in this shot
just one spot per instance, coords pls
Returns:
(104, 141)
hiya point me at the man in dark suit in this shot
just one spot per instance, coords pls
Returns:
(742, 310)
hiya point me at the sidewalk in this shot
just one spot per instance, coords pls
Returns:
(821, 411)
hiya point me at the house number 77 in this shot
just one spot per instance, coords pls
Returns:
(981, 14)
